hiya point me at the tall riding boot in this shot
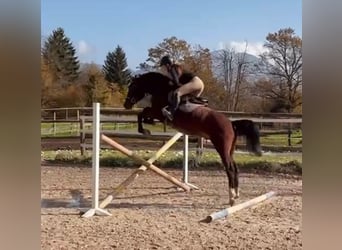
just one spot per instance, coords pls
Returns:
(175, 100)
(169, 111)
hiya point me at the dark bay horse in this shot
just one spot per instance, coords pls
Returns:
(198, 120)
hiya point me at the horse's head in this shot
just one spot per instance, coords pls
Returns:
(135, 93)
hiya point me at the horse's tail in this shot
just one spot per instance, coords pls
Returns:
(250, 131)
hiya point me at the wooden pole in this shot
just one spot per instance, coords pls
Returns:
(141, 169)
(228, 211)
(82, 135)
(289, 133)
(147, 164)
(54, 124)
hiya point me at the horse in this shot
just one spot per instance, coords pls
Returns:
(195, 119)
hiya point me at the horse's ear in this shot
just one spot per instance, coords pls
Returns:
(133, 79)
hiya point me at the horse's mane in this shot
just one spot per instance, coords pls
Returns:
(154, 82)
(152, 75)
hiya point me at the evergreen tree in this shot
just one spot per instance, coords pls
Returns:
(115, 67)
(60, 56)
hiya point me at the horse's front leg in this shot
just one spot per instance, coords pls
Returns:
(141, 117)
(149, 120)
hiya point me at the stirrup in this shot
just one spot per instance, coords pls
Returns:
(167, 113)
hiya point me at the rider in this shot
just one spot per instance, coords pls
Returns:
(168, 69)
(187, 82)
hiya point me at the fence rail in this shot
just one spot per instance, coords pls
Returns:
(76, 112)
(270, 123)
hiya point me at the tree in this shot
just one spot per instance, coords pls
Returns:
(145, 67)
(233, 69)
(59, 56)
(53, 93)
(95, 88)
(176, 48)
(200, 63)
(115, 67)
(284, 60)
(196, 59)
(46, 83)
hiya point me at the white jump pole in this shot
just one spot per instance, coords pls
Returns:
(95, 165)
(228, 211)
(186, 162)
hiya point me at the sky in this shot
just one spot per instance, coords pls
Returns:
(98, 27)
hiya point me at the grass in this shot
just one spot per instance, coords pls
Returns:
(282, 139)
(59, 129)
(72, 129)
(289, 164)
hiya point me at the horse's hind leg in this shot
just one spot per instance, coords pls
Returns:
(236, 178)
(236, 169)
(223, 148)
(199, 151)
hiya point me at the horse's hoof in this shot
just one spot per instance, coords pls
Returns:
(146, 132)
(237, 193)
(231, 202)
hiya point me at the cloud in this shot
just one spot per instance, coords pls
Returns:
(84, 48)
(85, 51)
(221, 45)
(252, 48)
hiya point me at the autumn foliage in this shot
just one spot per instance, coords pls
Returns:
(230, 80)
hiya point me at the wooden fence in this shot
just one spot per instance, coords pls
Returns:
(270, 123)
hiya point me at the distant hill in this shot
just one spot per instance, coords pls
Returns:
(253, 61)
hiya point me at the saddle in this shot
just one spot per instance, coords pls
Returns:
(187, 104)
(194, 100)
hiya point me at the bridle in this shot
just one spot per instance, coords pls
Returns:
(131, 100)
